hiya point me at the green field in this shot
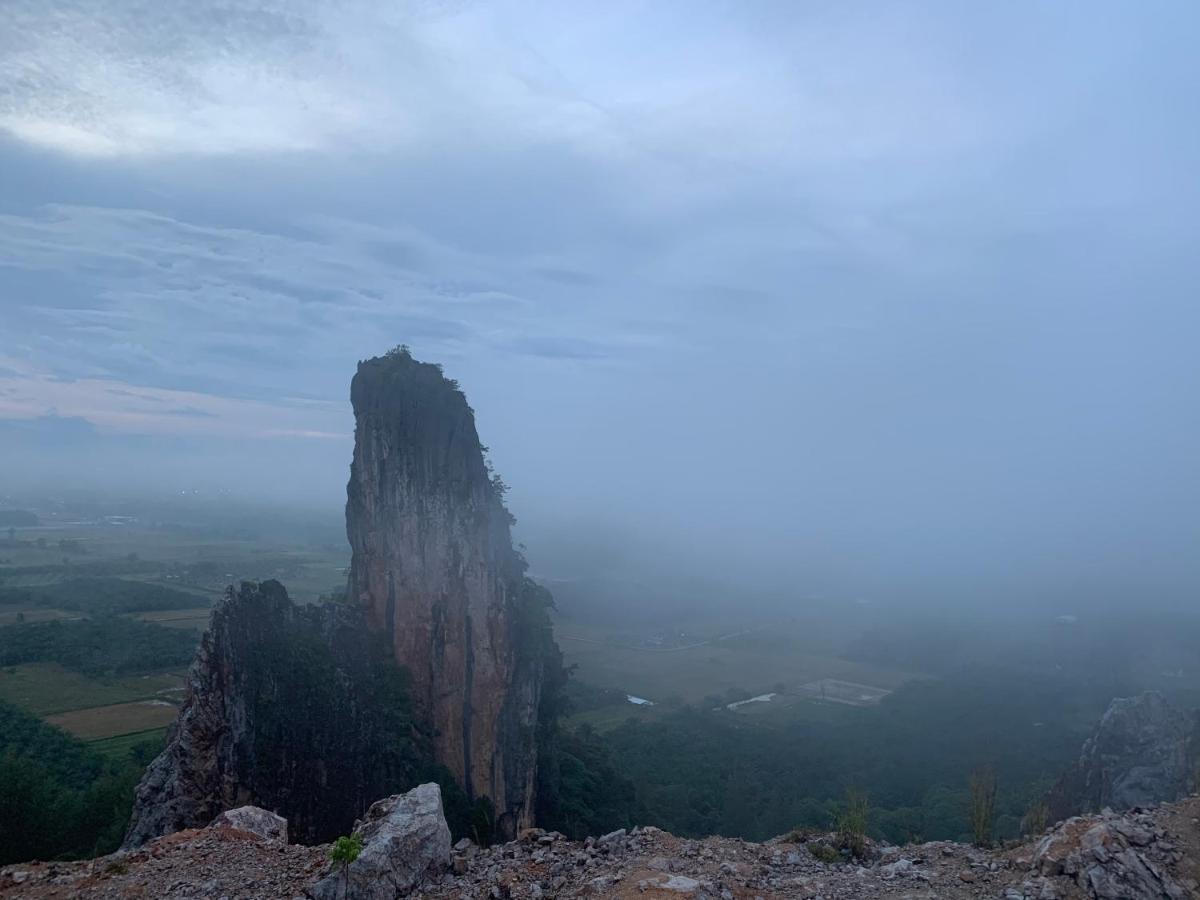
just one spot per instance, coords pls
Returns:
(99, 722)
(47, 689)
(119, 746)
(178, 618)
(199, 553)
(11, 614)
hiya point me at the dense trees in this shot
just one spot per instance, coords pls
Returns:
(100, 596)
(59, 798)
(579, 790)
(697, 772)
(110, 645)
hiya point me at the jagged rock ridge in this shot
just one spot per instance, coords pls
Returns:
(434, 568)
(294, 709)
(1149, 855)
(1143, 751)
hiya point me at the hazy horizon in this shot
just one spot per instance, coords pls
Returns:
(875, 301)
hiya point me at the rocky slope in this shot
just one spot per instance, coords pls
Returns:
(434, 567)
(1143, 751)
(1140, 855)
(294, 709)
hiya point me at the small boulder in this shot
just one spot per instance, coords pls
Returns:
(266, 825)
(405, 838)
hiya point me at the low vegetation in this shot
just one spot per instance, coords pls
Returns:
(344, 851)
(983, 806)
(852, 823)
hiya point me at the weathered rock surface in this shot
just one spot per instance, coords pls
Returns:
(266, 825)
(210, 863)
(288, 708)
(433, 565)
(405, 841)
(1114, 857)
(1137, 856)
(1144, 751)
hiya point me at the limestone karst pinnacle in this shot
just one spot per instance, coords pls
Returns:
(434, 567)
(305, 710)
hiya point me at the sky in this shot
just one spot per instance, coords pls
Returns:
(864, 297)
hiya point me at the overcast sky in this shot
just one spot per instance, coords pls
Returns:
(861, 291)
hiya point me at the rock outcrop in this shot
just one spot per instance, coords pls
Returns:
(1148, 855)
(299, 710)
(254, 820)
(405, 841)
(1144, 751)
(434, 568)
(1115, 857)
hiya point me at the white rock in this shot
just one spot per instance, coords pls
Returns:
(258, 821)
(405, 838)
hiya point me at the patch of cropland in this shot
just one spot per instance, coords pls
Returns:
(101, 605)
(100, 722)
(46, 689)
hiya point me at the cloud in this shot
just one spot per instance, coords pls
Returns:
(659, 85)
(234, 77)
(118, 407)
(562, 347)
(158, 302)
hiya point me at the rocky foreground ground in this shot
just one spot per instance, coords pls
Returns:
(1152, 853)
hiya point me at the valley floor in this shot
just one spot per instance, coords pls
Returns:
(1141, 854)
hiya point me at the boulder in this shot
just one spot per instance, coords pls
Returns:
(257, 821)
(405, 839)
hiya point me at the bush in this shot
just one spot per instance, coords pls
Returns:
(983, 806)
(852, 823)
(1035, 818)
(345, 850)
(824, 853)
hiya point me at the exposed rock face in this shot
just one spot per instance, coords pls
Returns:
(405, 841)
(293, 709)
(434, 567)
(1144, 751)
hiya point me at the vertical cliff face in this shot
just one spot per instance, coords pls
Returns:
(298, 710)
(434, 569)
